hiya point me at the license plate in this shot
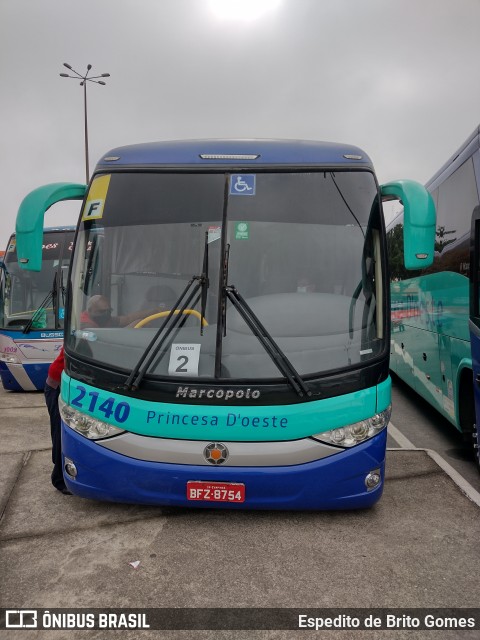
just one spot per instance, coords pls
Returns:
(215, 491)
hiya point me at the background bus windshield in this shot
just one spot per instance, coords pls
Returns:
(302, 248)
(29, 298)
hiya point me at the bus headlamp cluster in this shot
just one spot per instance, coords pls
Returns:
(352, 434)
(87, 426)
(9, 359)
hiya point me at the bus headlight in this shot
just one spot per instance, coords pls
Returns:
(87, 426)
(352, 434)
(9, 359)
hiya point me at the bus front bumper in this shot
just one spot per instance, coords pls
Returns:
(24, 377)
(334, 482)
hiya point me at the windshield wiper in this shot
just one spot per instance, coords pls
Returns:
(176, 316)
(368, 269)
(55, 300)
(139, 370)
(278, 357)
(204, 282)
(353, 303)
(50, 297)
(332, 175)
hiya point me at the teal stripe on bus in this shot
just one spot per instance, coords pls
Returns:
(225, 422)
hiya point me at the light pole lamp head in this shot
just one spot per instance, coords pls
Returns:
(83, 83)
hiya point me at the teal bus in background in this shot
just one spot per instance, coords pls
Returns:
(255, 371)
(430, 342)
(33, 300)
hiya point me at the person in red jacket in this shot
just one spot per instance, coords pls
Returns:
(52, 392)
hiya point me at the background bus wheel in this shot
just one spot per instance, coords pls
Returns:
(467, 414)
(476, 445)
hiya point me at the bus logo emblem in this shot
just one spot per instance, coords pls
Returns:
(215, 453)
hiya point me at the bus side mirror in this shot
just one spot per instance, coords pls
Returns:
(419, 221)
(29, 223)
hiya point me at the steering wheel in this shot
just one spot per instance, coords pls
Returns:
(163, 314)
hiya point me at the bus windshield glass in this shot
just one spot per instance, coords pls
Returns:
(302, 248)
(36, 299)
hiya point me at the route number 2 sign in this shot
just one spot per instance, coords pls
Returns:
(184, 359)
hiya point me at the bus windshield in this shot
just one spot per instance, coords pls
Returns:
(302, 248)
(32, 300)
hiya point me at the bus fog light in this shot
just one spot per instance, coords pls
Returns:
(373, 479)
(70, 468)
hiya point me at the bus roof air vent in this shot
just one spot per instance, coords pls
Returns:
(352, 156)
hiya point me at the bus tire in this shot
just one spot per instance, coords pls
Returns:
(476, 445)
(467, 412)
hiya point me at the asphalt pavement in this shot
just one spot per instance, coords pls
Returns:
(424, 427)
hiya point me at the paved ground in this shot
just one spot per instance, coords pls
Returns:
(427, 428)
(418, 547)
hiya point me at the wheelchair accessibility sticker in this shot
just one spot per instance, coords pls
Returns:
(242, 184)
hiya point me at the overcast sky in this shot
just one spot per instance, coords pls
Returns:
(399, 78)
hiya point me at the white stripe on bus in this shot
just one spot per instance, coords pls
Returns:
(21, 376)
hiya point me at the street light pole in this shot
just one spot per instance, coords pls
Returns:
(87, 169)
(84, 79)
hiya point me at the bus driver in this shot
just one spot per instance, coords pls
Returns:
(99, 314)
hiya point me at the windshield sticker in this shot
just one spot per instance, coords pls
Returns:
(84, 335)
(241, 230)
(96, 199)
(242, 185)
(184, 360)
(214, 233)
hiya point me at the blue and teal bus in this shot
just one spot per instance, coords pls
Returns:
(475, 322)
(475, 304)
(227, 328)
(32, 310)
(430, 307)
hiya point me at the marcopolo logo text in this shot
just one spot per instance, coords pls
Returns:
(218, 394)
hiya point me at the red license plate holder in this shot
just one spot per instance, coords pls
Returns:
(199, 490)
